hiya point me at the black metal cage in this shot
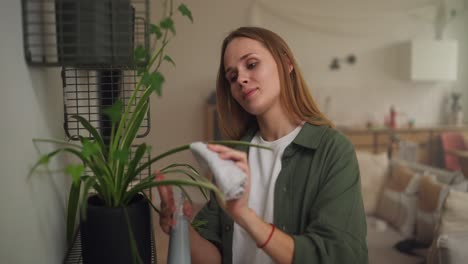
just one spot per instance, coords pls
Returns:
(88, 91)
(84, 32)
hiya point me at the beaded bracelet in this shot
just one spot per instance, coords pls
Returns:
(269, 237)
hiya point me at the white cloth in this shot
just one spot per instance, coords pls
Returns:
(229, 178)
(265, 166)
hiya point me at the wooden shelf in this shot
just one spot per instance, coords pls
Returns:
(381, 140)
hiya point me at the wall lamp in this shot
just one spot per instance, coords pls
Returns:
(335, 63)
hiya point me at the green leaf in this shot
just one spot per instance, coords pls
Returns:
(88, 183)
(139, 154)
(44, 160)
(145, 79)
(155, 30)
(154, 80)
(121, 156)
(73, 201)
(115, 111)
(160, 156)
(75, 171)
(134, 125)
(90, 148)
(139, 53)
(168, 24)
(141, 70)
(186, 147)
(193, 174)
(169, 59)
(147, 185)
(157, 80)
(185, 11)
(92, 131)
(237, 143)
(199, 225)
(149, 149)
(184, 165)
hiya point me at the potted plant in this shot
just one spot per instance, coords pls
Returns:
(115, 222)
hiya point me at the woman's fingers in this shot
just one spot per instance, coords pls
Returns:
(234, 155)
(165, 192)
(228, 153)
(166, 223)
(167, 205)
(218, 148)
(188, 210)
(165, 218)
(243, 166)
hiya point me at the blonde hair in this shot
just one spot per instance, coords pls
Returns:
(294, 95)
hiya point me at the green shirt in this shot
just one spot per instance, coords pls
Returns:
(317, 201)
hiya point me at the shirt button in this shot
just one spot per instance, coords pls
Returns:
(227, 228)
(284, 228)
(285, 189)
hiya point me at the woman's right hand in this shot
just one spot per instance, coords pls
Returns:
(168, 208)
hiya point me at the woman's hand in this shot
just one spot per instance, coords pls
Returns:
(201, 250)
(166, 219)
(239, 207)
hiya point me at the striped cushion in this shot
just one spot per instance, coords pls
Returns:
(397, 203)
(431, 197)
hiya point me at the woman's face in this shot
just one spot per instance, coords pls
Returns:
(252, 73)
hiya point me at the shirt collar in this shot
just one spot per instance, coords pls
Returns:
(310, 136)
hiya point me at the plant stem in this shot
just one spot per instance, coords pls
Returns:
(61, 142)
(153, 160)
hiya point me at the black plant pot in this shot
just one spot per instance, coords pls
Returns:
(105, 235)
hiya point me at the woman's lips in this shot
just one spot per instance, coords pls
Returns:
(250, 93)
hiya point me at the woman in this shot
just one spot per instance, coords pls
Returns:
(302, 202)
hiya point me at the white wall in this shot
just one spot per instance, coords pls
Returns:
(32, 218)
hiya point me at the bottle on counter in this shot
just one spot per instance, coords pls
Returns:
(393, 114)
(456, 115)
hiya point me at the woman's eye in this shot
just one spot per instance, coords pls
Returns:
(251, 65)
(233, 78)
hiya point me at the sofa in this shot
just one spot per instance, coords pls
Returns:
(403, 201)
(421, 210)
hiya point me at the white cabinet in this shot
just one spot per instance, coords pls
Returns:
(433, 60)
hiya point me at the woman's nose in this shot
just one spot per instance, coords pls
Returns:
(242, 78)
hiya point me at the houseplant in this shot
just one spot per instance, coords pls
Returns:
(113, 167)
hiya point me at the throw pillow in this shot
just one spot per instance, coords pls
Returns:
(455, 212)
(452, 231)
(373, 170)
(397, 203)
(431, 196)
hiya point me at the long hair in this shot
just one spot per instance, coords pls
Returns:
(294, 93)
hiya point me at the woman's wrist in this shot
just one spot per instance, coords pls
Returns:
(262, 232)
(246, 218)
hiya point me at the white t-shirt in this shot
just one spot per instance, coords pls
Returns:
(265, 166)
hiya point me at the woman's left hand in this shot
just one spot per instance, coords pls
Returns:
(238, 207)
